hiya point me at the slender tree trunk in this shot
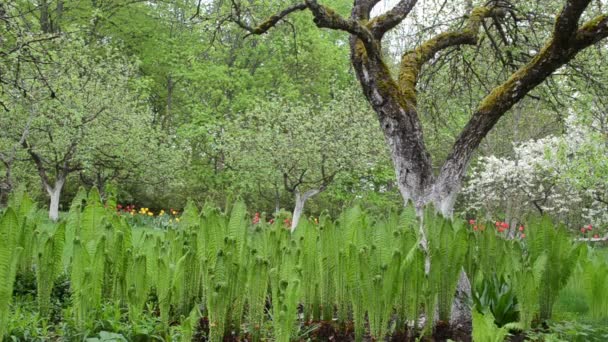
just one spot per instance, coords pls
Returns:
(45, 21)
(55, 195)
(277, 199)
(6, 185)
(299, 207)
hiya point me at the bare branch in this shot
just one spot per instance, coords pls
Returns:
(566, 23)
(553, 56)
(412, 61)
(387, 21)
(266, 24)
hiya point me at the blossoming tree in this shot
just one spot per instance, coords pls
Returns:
(563, 176)
(302, 148)
(87, 115)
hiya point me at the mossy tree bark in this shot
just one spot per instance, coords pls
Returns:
(394, 101)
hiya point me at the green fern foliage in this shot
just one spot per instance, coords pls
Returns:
(49, 267)
(380, 273)
(9, 257)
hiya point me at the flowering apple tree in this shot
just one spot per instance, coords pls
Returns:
(563, 176)
(302, 148)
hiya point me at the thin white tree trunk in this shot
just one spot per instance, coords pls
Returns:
(55, 195)
(299, 207)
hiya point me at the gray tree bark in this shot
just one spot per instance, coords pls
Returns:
(299, 207)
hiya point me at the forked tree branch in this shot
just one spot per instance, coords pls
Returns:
(556, 53)
(266, 24)
(412, 61)
(387, 21)
(324, 17)
(566, 23)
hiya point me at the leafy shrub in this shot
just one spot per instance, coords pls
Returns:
(495, 294)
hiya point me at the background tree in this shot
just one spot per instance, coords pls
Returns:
(302, 148)
(95, 112)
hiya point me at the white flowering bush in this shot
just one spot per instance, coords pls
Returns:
(563, 176)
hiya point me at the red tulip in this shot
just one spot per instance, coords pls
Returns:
(596, 236)
(521, 228)
(523, 235)
(583, 230)
(471, 222)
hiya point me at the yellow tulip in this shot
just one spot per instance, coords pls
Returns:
(150, 213)
(177, 219)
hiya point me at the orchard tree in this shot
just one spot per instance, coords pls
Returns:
(394, 98)
(563, 176)
(20, 48)
(88, 110)
(303, 147)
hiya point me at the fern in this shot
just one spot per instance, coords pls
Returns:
(527, 275)
(137, 287)
(72, 225)
(595, 278)
(9, 257)
(49, 267)
(561, 255)
(484, 329)
(257, 289)
(447, 245)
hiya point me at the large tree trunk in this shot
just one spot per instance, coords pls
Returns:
(55, 195)
(413, 168)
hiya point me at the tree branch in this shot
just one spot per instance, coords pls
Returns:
(566, 23)
(387, 21)
(413, 61)
(39, 164)
(553, 56)
(266, 24)
(324, 17)
(363, 8)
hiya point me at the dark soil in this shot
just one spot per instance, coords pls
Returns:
(333, 331)
(202, 333)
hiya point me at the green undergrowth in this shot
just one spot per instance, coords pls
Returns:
(218, 275)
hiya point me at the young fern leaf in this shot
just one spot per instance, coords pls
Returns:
(49, 267)
(137, 287)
